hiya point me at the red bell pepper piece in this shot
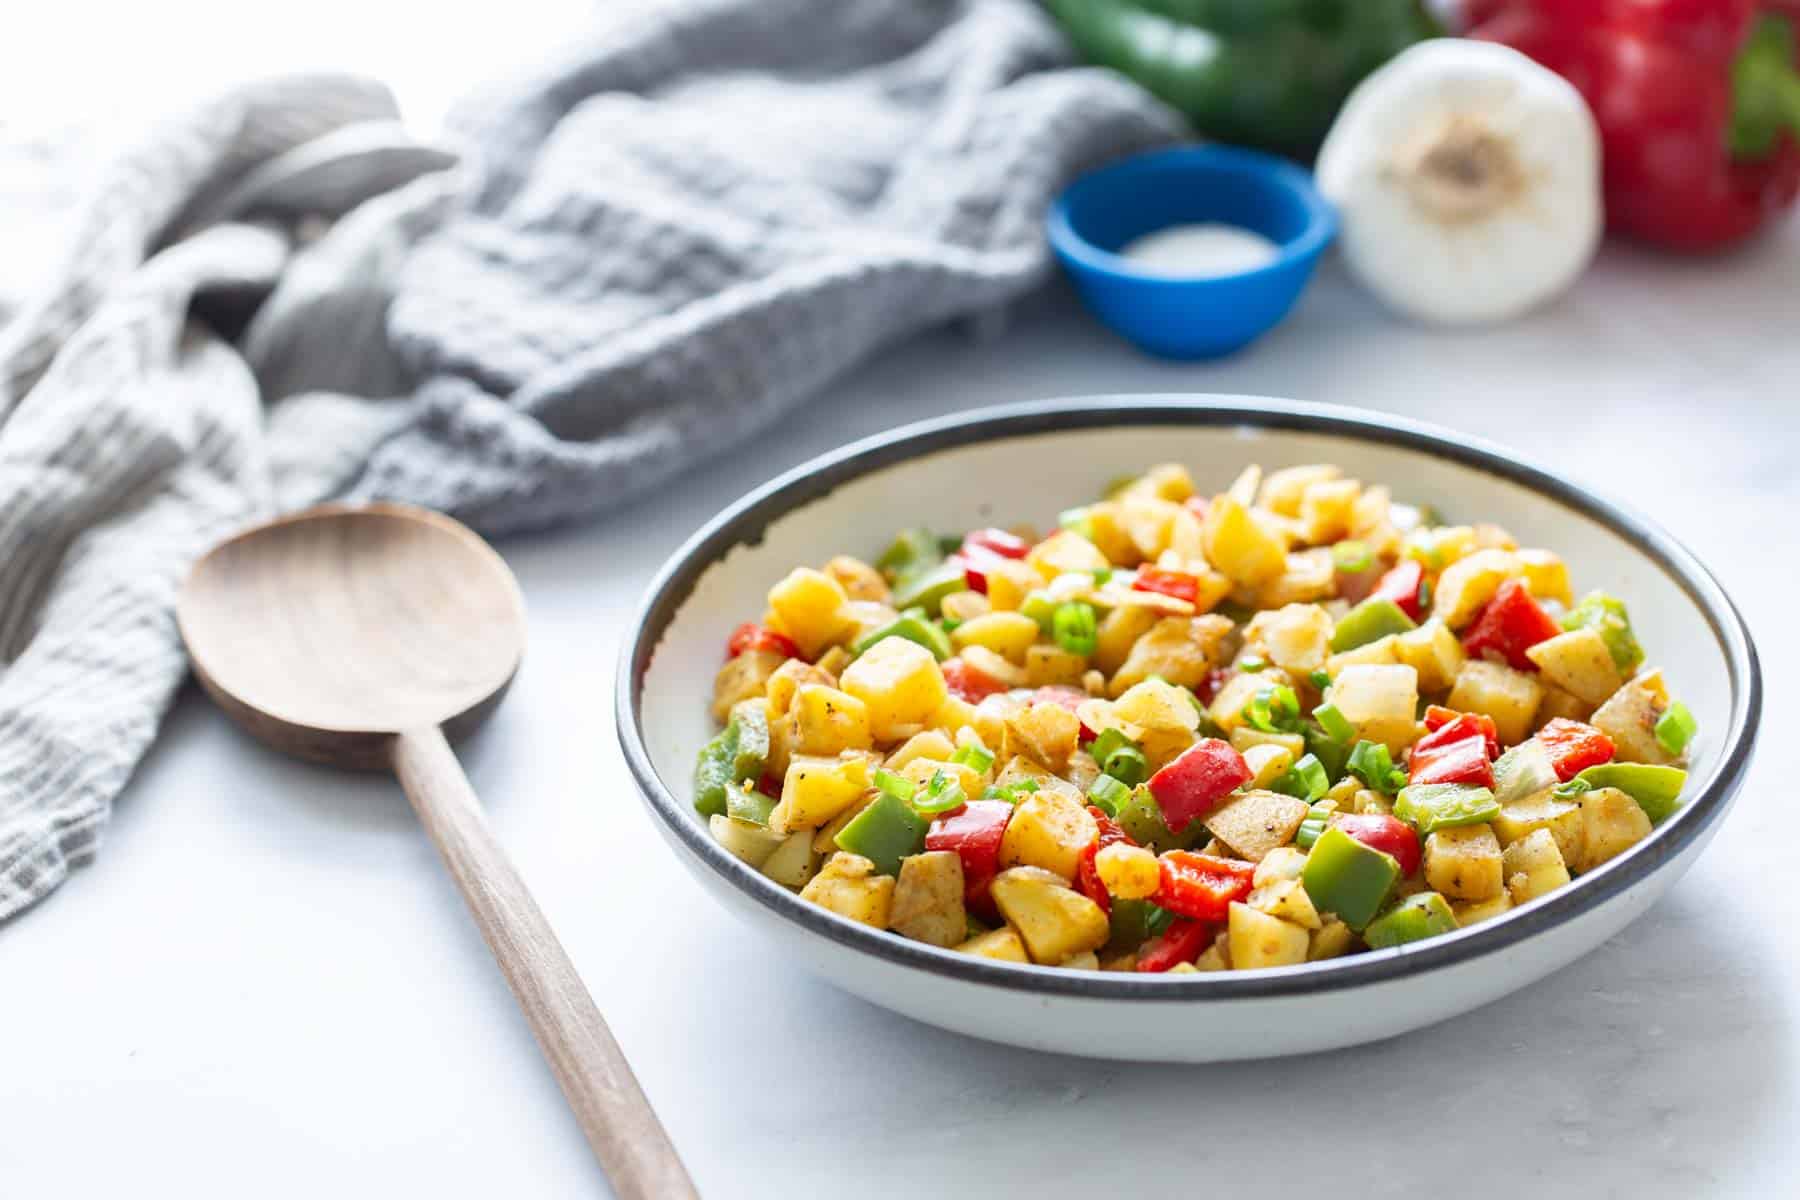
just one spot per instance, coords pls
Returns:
(751, 636)
(1462, 761)
(1168, 583)
(967, 683)
(1181, 942)
(974, 832)
(1698, 103)
(1210, 683)
(1511, 623)
(1388, 834)
(1088, 877)
(1068, 697)
(996, 541)
(1201, 886)
(1466, 725)
(1403, 583)
(1195, 783)
(1574, 747)
(1436, 718)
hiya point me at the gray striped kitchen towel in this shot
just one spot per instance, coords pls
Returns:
(674, 231)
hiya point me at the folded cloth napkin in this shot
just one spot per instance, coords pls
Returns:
(638, 254)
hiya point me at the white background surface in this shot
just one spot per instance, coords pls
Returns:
(267, 986)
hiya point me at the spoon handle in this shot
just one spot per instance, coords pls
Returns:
(609, 1104)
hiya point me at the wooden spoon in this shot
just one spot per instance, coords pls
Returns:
(368, 638)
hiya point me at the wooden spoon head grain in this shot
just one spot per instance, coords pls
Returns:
(327, 632)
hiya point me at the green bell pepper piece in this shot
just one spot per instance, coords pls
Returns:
(1332, 754)
(1607, 614)
(913, 629)
(1271, 74)
(751, 722)
(714, 771)
(1429, 807)
(884, 833)
(927, 589)
(1348, 878)
(913, 552)
(1142, 820)
(747, 804)
(1419, 916)
(1041, 608)
(1657, 790)
(1107, 794)
(1676, 728)
(1370, 621)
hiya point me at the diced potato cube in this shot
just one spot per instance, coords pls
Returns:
(1463, 863)
(1611, 823)
(928, 899)
(1165, 481)
(1629, 718)
(1047, 665)
(794, 861)
(1054, 920)
(1267, 763)
(742, 678)
(1243, 489)
(1561, 819)
(1126, 962)
(1545, 575)
(814, 790)
(1283, 862)
(900, 682)
(1245, 739)
(1129, 872)
(788, 679)
(1370, 521)
(1119, 631)
(1257, 822)
(1579, 663)
(849, 887)
(1260, 940)
(1282, 490)
(1227, 708)
(1049, 829)
(1367, 801)
(1239, 546)
(956, 713)
(1310, 575)
(1382, 652)
(750, 842)
(1002, 943)
(1330, 940)
(1327, 508)
(1469, 583)
(1434, 652)
(1510, 697)
(932, 744)
(866, 616)
(1381, 702)
(1287, 899)
(1216, 957)
(1474, 912)
(1065, 551)
(919, 773)
(1164, 716)
(965, 606)
(828, 721)
(809, 606)
(1087, 960)
(1008, 634)
(1558, 703)
(1296, 638)
(1046, 733)
(859, 580)
(1009, 581)
(1180, 649)
(1533, 867)
(1148, 521)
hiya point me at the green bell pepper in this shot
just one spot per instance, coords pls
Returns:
(914, 551)
(1370, 621)
(739, 752)
(1348, 878)
(885, 832)
(1271, 74)
(747, 804)
(1419, 916)
(1141, 818)
(913, 628)
(1657, 790)
(927, 589)
(1429, 807)
(751, 721)
(1607, 614)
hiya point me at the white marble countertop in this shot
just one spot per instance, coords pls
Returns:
(267, 985)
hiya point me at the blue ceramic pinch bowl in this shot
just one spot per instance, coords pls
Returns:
(1190, 317)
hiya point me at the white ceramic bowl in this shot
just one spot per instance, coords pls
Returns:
(1026, 463)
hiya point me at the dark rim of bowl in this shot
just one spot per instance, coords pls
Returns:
(1321, 220)
(745, 522)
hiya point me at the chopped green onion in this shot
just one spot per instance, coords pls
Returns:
(1252, 663)
(1157, 920)
(1128, 765)
(1571, 790)
(1108, 741)
(1676, 728)
(1010, 792)
(1273, 709)
(1075, 626)
(1352, 557)
(1318, 820)
(1320, 678)
(894, 785)
(1335, 724)
(1107, 794)
(1102, 575)
(1305, 780)
(1371, 763)
(978, 758)
(941, 795)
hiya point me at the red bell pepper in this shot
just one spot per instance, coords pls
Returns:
(1201, 886)
(974, 832)
(1195, 783)
(751, 636)
(1436, 717)
(1210, 683)
(967, 683)
(996, 541)
(1088, 877)
(1511, 623)
(1464, 760)
(1404, 584)
(1180, 943)
(1574, 747)
(1168, 583)
(1069, 697)
(1698, 103)
(1390, 835)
